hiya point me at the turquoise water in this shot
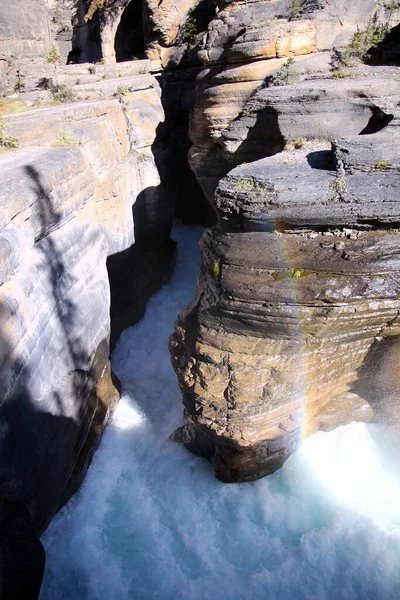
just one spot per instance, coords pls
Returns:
(152, 522)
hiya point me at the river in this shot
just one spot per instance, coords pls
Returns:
(152, 522)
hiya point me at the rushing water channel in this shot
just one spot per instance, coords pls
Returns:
(152, 522)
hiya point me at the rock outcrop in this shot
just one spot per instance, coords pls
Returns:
(81, 193)
(298, 291)
(298, 288)
(244, 49)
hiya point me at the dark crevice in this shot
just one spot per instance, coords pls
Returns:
(386, 52)
(323, 160)
(129, 38)
(86, 38)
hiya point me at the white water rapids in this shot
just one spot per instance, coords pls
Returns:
(152, 522)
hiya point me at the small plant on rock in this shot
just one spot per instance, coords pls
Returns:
(340, 74)
(295, 8)
(362, 42)
(62, 93)
(120, 92)
(19, 85)
(65, 138)
(94, 6)
(250, 185)
(7, 140)
(286, 74)
(189, 30)
(57, 18)
(53, 57)
(296, 144)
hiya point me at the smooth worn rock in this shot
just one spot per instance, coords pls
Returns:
(81, 189)
(241, 115)
(299, 281)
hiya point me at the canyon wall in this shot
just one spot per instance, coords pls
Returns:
(297, 301)
(93, 162)
(298, 290)
(80, 193)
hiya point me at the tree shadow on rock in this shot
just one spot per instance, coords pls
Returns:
(43, 426)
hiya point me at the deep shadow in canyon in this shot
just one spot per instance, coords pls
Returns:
(129, 38)
(44, 451)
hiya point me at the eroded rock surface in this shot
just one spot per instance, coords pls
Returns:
(81, 193)
(298, 287)
(238, 117)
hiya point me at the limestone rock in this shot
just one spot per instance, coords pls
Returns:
(299, 281)
(24, 29)
(245, 46)
(81, 190)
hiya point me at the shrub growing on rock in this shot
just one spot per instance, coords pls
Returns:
(94, 6)
(53, 56)
(189, 30)
(63, 93)
(7, 140)
(285, 75)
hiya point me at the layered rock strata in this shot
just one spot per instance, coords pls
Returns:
(299, 286)
(81, 192)
(238, 116)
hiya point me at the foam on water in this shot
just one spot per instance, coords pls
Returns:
(152, 522)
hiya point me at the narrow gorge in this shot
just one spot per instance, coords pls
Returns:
(273, 124)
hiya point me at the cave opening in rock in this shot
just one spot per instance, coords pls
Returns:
(129, 38)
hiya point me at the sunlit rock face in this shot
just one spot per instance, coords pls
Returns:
(299, 288)
(239, 118)
(82, 206)
(24, 30)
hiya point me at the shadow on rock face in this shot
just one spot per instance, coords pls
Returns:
(378, 120)
(388, 51)
(22, 556)
(322, 160)
(37, 448)
(264, 138)
(129, 39)
(50, 397)
(379, 381)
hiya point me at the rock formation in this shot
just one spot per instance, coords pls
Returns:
(244, 49)
(298, 292)
(81, 193)
(298, 286)
(92, 171)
